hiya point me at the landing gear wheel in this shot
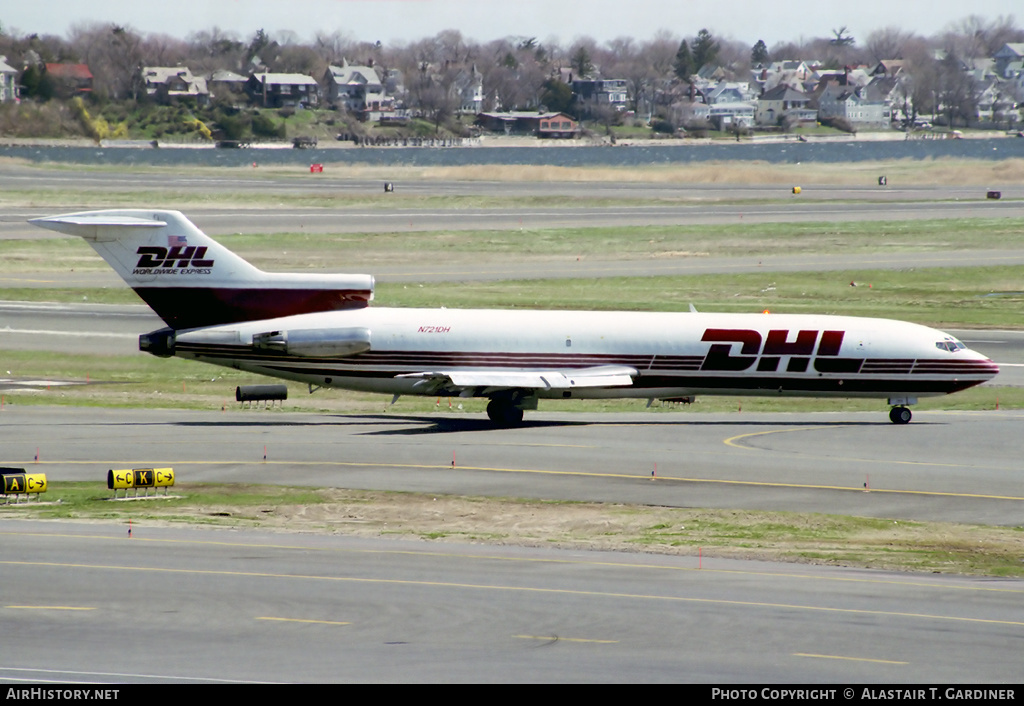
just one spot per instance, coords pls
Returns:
(900, 415)
(504, 413)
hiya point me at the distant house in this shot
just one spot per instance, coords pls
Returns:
(890, 68)
(799, 70)
(70, 79)
(982, 69)
(283, 90)
(226, 85)
(394, 85)
(866, 106)
(550, 125)
(691, 114)
(8, 81)
(728, 92)
(358, 89)
(726, 114)
(1009, 55)
(558, 125)
(792, 73)
(167, 84)
(612, 93)
(783, 101)
(469, 89)
(996, 101)
(846, 77)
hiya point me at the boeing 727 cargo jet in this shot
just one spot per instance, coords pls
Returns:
(322, 331)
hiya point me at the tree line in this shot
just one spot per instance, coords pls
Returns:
(517, 72)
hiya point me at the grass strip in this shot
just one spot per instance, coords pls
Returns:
(960, 297)
(351, 252)
(939, 547)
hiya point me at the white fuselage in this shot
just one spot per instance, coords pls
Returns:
(673, 354)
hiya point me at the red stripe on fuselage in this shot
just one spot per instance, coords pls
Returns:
(193, 307)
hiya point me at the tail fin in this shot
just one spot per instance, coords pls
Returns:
(190, 280)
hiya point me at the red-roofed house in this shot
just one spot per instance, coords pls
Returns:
(70, 79)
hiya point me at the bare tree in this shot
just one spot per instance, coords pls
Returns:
(163, 50)
(300, 59)
(919, 81)
(974, 37)
(786, 51)
(114, 56)
(887, 43)
(957, 92)
(735, 57)
(215, 50)
(513, 71)
(432, 95)
(452, 48)
(640, 80)
(333, 47)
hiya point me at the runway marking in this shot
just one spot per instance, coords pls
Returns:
(134, 675)
(851, 659)
(731, 441)
(79, 334)
(584, 474)
(556, 638)
(497, 557)
(557, 446)
(50, 607)
(303, 620)
(524, 589)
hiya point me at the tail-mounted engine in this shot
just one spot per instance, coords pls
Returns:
(315, 343)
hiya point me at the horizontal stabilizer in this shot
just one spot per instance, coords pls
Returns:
(91, 224)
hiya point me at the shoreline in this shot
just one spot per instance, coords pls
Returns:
(516, 141)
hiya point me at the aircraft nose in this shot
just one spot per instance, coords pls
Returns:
(991, 367)
(982, 365)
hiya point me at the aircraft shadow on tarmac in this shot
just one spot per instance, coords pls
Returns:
(411, 424)
(434, 425)
(424, 425)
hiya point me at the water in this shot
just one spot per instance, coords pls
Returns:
(570, 156)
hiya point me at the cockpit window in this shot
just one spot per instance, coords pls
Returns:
(950, 344)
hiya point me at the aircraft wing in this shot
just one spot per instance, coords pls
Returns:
(496, 379)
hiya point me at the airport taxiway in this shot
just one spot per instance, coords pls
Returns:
(844, 463)
(288, 219)
(86, 603)
(577, 203)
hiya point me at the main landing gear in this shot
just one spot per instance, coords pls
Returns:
(504, 412)
(900, 415)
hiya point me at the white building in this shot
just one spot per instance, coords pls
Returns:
(357, 88)
(781, 101)
(866, 106)
(8, 81)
